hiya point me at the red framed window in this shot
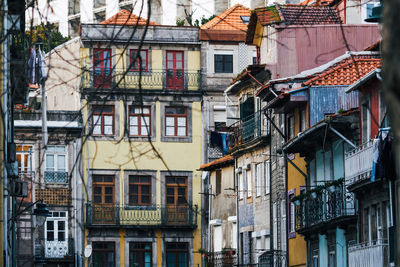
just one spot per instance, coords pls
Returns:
(135, 59)
(103, 120)
(139, 121)
(102, 68)
(175, 70)
(176, 120)
(139, 190)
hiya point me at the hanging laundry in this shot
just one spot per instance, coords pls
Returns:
(375, 157)
(215, 139)
(225, 147)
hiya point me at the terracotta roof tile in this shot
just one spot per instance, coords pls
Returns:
(316, 2)
(297, 15)
(230, 19)
(217, 163)
(346, 72)
(124, 17)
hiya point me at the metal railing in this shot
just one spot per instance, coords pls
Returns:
(56, 177)
(272, 258)
(145, 216)
(59, 249)
(329, 204)
(358, 164)
(369, 254)
(249, 128)
(153, 79)
(221, 258)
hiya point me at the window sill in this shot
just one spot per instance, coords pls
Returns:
(176, 139)
(140, 138)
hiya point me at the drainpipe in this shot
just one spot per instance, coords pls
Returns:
(238, 248)
(75, 205)
(5, 129)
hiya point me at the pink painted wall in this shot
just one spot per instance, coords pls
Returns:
(301, 48)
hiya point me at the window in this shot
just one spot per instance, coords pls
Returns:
(217, 238)
(140, 190)
(292, 215)
(303, 120)
(103, 189)
(135, 60)
(176, 190)
(56, 162)
(258, 180)
(218, 182)
(240, 186)
(254, 57)
(332, 255)
(24, 159)
(56, 234)
(267, 176)
(365, 119)
(177, 254)
(315, 258)
(289, 126)
(249, 183)
(140, 254)
(139, 121)
(102, 76)
(176, 119)
(103, 120)
(223, 63)
(103, 254)
(283, 225)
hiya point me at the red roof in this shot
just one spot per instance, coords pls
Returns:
(316, 2)
(217, 163)
(124, 17)
(230, 19)
(346, 72)
(297, 15)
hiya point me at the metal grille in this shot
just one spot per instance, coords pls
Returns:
(57, 177)
(272, 258)
(221, 258)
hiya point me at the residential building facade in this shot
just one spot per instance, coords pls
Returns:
(142, 112)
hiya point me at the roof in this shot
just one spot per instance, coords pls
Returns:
(297, 15)
(316, 2)
(124, 17)
(347, 72)
(230, 19)
(226, 160)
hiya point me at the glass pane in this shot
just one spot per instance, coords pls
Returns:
(96, 119)
(133, 179)
(110, 259)
(170, 131)
(182, 200)
(59, 149)
(170, 191)
(108, 190)
(108, 179)
(61, 225)
(97, 199)
(181, 180)
(181, 131)
(108, 120)
(181, 121)
(171, 259)
(107, 109)
(133, 120)
(134, 199)
(181, 191)
(108, 130)
(50, 225)
(170, 111)
(170, 200)
(134, 130)
(146, 110)
(108, 199)
(98, 179)
(145, 199)
(179, 65)
(97, 129)
(181, 111)
(145, 179)
(170, 180)
(135, 189)
(61, 162)
(144, 130)
(50, 162)
(61, 236)
(170, 121)
(145, 189)
(50, 236)
(170, 56)
(170, 65)
(145, 121)
(182, 259)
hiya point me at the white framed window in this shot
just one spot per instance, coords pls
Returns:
(56, 165)
(249, 183)
(240, 185)
(56, 235)
(24, 154)
(223, 61)
(283, 225)
(258, 180)
(267, 176)
(275, 226)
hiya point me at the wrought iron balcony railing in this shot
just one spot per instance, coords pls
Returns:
(221, 258)
(358, 164)
(248, 129)
(143, 216)
(324, 206)
(59, 249)
(272, 258)
(151, 80)
(369, 254)
(56, 177)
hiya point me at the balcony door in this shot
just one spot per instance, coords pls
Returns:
(56, 235)
(103, 199)
(176, 200)
(175, 74)
(102, 68)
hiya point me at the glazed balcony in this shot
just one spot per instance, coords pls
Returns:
(369, 254)
(330, 205)
(59, 249)
(246, 130)
(177, 80)
(156, 216)
(358, 165)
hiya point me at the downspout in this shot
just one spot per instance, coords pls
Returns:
(75, 211)
(5, 138)
(238, 248)
(209, 195)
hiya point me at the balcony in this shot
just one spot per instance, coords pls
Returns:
(369, 254)
(157, 216)
(59, 249)
(272, 258)
(247, 130)
(358, 165)
(176, 80)
(328, 205)
(221, 259)
(56, 177)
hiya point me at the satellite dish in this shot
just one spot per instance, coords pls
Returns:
(88, 251)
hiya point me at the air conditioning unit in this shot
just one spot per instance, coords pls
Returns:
(19, 188)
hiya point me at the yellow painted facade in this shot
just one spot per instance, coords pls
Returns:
(297, 245)
(122, 154)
